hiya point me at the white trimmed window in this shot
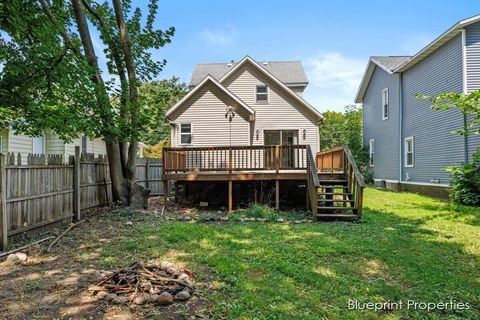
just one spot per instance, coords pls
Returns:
(38, 145)
(371, 152)
(1, 145)
(409, 152)
(385, 108)
(185, 133)
(84, 144)
(261, 93)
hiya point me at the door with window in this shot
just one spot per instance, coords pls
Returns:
(280, 137)
(38, 145)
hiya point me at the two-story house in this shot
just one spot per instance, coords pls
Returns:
(266, 99)
(410, 144)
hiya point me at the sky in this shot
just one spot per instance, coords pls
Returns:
(333, 39)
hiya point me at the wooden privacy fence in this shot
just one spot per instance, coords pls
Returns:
(50, 190)
(235, 158)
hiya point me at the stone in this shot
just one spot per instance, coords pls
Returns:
(280, 220)
(298, 222)
(182, 296)
(140, 300)
(102, 295)
(219, 212)
(183, 276)
(172, 271)
(224, 219)
(120, 300)
(203, 204)
(129, 223)
(187, 218)
(152, 297)
(13, 259)
(165, 264)
(21, 256)
(261, 219)
(241, 220)
(249, 219)
(97, 275)
(111, 296)
(165, 299)
(309, 221)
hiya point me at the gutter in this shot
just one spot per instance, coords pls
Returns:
(400, 127)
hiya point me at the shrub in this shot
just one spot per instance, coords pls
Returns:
(261, 211)
(466, 182)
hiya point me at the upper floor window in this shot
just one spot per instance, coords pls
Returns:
(84, 144)
(371, 151)
(186, 133)
(261, 93)
(409, 152)
(385, 104)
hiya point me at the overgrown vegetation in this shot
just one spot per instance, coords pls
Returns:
(465, 177)
(261, 211)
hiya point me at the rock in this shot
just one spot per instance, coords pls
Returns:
(183, 276)
(249, 219)
(152, 297)
(241, 220)
(298, 221)
(203, 204)
(187, 218)
(140, 300)
(165, 299)
(13, 259)
(97, 275)
(280, 220)
(182, 296)
(172, 271)
(129, 223)
(261, 219)
(102, 295)
(309, 221)
(119, 300)
(219, 212)
(165, 264)
(21, 256)
(224, 219)
(111, 296)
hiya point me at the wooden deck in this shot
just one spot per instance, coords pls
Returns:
(268, 163)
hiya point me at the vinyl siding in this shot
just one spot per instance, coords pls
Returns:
(54, 145)
(282, 112)
(472, 55)
(206, 111)
(384, 132)
(436, 147)
(4, 137)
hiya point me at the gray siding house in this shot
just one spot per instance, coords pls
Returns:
(266, 97)
(409, 143)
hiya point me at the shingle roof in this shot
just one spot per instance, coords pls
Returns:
(288, 72)
(392, 62)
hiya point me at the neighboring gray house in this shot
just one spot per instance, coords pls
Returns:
(267, 98)
(410, 144)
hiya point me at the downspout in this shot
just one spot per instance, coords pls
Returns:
(400, 127)
(465, 89)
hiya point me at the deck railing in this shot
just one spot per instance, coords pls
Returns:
(312, 182)
(331, 160)
(235, 158)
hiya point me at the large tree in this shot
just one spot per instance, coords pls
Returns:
(53, 79)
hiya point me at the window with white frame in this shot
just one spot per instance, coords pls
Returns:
(84, 144)
(385, 104)
(371, 152)
(261, 93)
(409, 152)
(38, 145)
(185, 133)
(1, 145)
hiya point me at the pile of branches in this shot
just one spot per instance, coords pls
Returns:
(139, 284)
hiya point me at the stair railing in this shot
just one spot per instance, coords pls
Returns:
(312, 183)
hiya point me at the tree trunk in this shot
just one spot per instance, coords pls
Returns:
(124, 188)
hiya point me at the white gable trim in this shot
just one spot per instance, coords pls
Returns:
(199, 86)
(274, 79)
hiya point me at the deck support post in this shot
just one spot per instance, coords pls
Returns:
(230, 203)
(165, 194)
(277, 194)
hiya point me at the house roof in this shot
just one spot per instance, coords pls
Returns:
(396, 65)
(288, 72)
(263, 70)
(206, 80)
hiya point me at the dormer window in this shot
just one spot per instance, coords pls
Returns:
(261, 93)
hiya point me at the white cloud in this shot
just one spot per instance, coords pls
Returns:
(334, 80)
(218, 37)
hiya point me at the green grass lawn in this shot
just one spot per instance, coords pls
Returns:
(405, 247)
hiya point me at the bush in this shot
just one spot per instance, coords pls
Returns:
(466, 182)
(261, 211)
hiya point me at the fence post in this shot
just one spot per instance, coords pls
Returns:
(3, 202)
(147, 170)
(76, 185)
